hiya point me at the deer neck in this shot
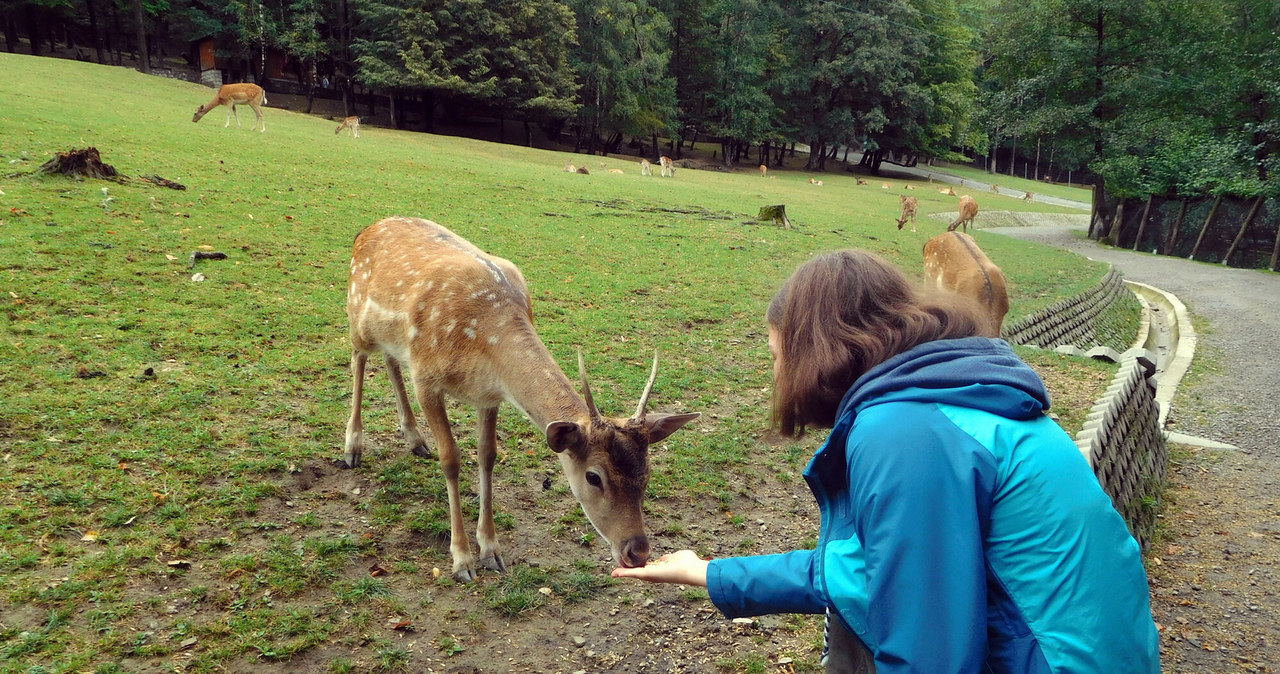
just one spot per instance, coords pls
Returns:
(533, 382)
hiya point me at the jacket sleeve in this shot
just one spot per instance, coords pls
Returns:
(763, 584)
(921, 499)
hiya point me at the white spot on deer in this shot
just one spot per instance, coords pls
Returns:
(492, 297)
(435, 313)
(474, 322)
(448, 327)
(469, 332)
(422, 306)
(399, 283)
(413, 332)
(493, 341)
(430, 285)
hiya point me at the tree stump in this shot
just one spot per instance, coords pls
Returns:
(86, 163)
(775, 214)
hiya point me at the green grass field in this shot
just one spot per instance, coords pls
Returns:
(167, 497)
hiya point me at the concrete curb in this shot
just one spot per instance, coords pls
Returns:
(1183, 337)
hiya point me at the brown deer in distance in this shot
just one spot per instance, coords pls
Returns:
(352, 123)
(646, 168)
(968, 210)
(460, 321)
(764, 171)
(908, 205)
(231, 95)
(667, 167)
(954, 262)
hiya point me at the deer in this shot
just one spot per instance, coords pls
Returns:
(949, 192)
(968, 209)
(995, 188)
(1028, 196)
(954, 262)
(815, 181)
(908, 187)
(764, 171)
(231, 95)
(646, 169)
(616, 170)
(668, 168)
(352, 123)
(570, 168)
(861, 181)
(461, 322)
(886, 186)
(908, 205)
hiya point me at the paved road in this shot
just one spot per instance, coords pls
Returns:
(938, 175)
(1239, 400)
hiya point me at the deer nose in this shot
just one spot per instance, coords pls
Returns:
(635, 551)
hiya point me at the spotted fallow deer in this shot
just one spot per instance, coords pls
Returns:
(646, 168)
(968, 211)
(667, 168)
(954, 262)
(353, 123)
(460, 321)
(231, 95)
(908, 205)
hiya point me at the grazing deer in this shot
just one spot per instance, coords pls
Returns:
(815, 181)
(861, 181)
(968, 209)
(460, 321)
(646, 169)
(352, 123)
(908, 205)
(764, 171)
(953, 262)
(948, 191)
(995, 188)
(668, 168)
(1027, 196)
(231, 95)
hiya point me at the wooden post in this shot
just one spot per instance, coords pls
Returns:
(1113, 236)
(1275, 250)
(1142, 224)
(1196, 248)
(1240, 234)
(1173, 236)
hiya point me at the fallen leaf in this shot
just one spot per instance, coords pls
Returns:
(403, 625)
(545, 590)
(89, 536)
(377, 570)
(169, 257)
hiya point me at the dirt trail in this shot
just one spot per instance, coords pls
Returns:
(1215, 575)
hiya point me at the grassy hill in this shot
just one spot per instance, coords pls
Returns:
(169, 501)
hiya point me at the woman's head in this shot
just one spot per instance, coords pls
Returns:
(841, 314)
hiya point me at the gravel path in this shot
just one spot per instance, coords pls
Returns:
(1215, 575)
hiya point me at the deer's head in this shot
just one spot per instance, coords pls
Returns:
(607, 463)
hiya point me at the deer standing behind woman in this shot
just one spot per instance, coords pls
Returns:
(461, 322)
(953, 261)
(231, 95)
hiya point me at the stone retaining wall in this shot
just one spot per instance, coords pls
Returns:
(1086, 320)
(1125, 445)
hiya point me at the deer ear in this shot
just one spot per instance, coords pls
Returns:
(562, 435)
(661, 426)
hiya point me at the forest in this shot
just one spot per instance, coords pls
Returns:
(1166, 97)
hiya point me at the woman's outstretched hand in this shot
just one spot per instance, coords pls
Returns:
(683, 567)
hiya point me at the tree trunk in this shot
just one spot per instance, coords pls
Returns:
(33, 29)
(144, 60)
(310, 68)
(94, 32)
(528, 134)
(10, 33)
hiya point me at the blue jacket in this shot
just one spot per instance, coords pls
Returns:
(962, 530)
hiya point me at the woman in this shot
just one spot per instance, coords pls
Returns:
(962, 531)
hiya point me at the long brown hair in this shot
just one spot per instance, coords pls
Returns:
(841, 314)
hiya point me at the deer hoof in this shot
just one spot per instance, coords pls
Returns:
(347, 462)
(464, 575)
(494, 563)
(422, 450)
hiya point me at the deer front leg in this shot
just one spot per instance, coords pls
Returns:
(459, 545)
(486, 533)
(408, 424)
(355, 426)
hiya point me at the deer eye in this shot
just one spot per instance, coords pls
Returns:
(594, 480)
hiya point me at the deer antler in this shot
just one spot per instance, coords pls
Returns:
(586, 389)
(644, 397)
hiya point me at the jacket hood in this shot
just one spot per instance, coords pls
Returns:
(975, 372)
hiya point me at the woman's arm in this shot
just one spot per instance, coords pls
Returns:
(742, 586)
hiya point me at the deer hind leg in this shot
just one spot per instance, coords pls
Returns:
(404, 412)
(486, 532)
(459, 545)
(355, 426)
(257, 110)
(230, 110)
